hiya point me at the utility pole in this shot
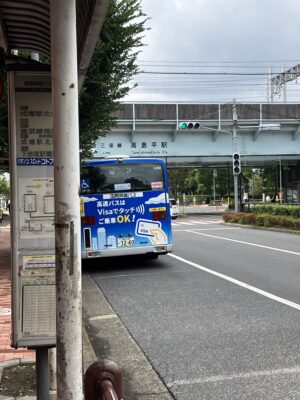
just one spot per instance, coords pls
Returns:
(234, 149)
(67, 205)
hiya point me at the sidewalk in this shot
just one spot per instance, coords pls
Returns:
(6, 352)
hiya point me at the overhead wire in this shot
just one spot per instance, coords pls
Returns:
(212, 78)
(220, 61)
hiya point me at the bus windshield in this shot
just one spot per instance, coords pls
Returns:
(129, 177)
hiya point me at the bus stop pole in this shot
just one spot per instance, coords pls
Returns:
(67, 205)
(42, 392)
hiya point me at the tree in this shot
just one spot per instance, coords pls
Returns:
(4, 186)
(176, 181)
(262, 180)
(112, 67)
(193, 181)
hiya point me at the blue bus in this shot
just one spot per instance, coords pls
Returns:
(124, 207)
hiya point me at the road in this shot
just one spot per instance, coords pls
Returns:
(219, 318)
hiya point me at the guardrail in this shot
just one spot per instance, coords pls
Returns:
(103, 380)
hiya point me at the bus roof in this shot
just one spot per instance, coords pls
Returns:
(124, 160)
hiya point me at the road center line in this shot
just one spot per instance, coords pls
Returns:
(242, 242)
(245, 375)
(239, 283)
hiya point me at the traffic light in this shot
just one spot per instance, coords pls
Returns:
(236, 163)
(189, 125)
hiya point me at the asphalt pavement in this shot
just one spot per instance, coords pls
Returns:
(111, 340)
(206, 336)
(179, 331)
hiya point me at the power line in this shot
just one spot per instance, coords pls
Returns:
(219, 62)
(204, 73)
(159, 79)
(205, 65)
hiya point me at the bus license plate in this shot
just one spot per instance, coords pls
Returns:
(125, 242)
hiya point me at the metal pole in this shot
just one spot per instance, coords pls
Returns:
(133, 117)
(67, 211)
(52, 373)
(214, 189)
(252, 186)
(280, 181)
(234, 149)
(228, 187)
(214, 185)
(42, 389)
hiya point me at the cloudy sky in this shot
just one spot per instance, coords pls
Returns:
(217, 50)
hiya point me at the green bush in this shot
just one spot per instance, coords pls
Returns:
(240, 218)
(267, 220)
(263, 220)
(278, 209)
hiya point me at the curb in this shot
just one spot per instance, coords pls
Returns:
(13, 363)
(111, 340)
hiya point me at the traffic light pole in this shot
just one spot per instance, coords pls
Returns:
(198, 125)
(234, 149)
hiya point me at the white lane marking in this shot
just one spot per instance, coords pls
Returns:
(184, 223)
(245, 375)
(205, 229)
(239, 283)
(242, 242)
(103, 317)
(207, 221)
(197, 222)
(200, 222)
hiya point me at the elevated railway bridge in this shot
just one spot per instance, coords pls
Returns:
(266, 134)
